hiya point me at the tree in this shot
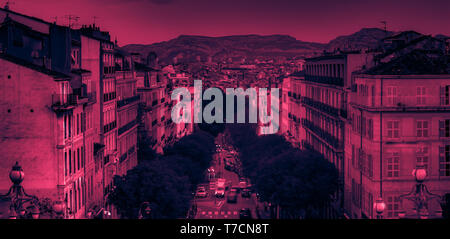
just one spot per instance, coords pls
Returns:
(165, 181)
(296, 180)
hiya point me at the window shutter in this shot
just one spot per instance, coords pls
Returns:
(441, 161)
(441, 128)
(442, 94)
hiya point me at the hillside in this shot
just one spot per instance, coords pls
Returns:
(187, 48)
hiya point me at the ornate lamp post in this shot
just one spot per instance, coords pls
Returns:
(19, 197)
(419, 195)
(379, 207)
(145, 211)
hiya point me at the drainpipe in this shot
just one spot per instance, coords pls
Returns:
(381, 141)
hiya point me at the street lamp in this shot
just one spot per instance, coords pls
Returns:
(145, 211)
(379, 207)
(19, 197)
(419, 195)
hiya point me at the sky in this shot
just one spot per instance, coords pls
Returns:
(150, 21)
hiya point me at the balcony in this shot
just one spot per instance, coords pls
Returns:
(126, 127)
(92, 97)
(330, 139)
(123, 157)
(127, 101)
(61, 102)
(337, 81)
(109, 96)
(109, 127)
(324, 107)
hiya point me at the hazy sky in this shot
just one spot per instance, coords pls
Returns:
(149, 21)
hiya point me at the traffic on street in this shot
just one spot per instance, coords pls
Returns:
(227, 193)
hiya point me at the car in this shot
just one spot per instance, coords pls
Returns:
(201, 192)
(236, 188)
(245, 213)
(220, 189)
(242, 184)
(229, 165)
(232, 196)
(246, 193)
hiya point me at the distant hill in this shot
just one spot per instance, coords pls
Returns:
(190, 48)
(364, 38)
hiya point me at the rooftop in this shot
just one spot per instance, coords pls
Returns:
(417, 62)
(18, 61)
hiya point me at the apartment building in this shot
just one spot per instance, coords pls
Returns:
(151, 86)
(397, 122)
(54, 86)
(127, 109)
(292, 109)
(82, 130)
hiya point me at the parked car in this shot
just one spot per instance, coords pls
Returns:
(242, 184)
(220, 188)
(246, 193)
(236, 188)
(229, 166)
(232, 196)
(245, 213)
(201, 192)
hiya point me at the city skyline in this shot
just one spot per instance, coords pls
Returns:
(147, 22)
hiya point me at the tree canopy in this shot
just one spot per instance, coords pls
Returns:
(165, 181)
(294, 179)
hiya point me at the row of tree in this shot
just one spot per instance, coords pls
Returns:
(166, 181)
(300, 182)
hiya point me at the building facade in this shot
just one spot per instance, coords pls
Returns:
(396, 123)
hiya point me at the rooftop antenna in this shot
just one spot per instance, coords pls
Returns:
(72, 18)
(384, 26)
(7, 4)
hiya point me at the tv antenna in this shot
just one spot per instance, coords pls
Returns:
(384, 26)
(95, 18)
(72, 20)
(8, 3)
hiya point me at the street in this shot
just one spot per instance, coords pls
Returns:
(212, 207)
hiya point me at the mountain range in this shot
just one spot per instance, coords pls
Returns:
(189, 48)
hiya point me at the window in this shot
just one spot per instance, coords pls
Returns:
(65, 163)
(444, 161)
(393, 129)
(444, 128)
(422, 128)
(393, 207)
(393, 165)
(445, 95)
(422, 156)
(370, 128)
(70, 161)
(420, 93)
(392, 97)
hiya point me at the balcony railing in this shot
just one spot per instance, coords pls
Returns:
(62, 100)
(127, 101)
(109, 127)
(109, 96)
(123, 157)
(126, 127)
(338, 81)
(324, 107)
(330, 139)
